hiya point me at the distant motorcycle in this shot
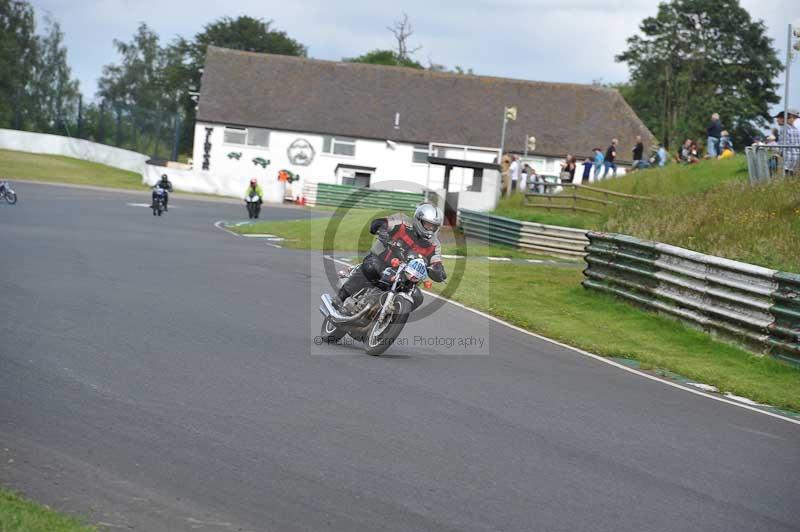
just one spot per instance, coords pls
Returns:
(7, 192)
(159, 200)
(253, 205)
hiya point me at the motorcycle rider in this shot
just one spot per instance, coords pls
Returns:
(254, 188)
(166, 186)
(416, 235)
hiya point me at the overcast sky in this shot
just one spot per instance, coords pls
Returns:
(545, 40)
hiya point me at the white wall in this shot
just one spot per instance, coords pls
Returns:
(26, 141)
(391, 162)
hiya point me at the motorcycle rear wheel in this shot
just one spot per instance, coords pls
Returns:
(330, 333)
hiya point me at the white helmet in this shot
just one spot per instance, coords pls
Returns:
(427, 220)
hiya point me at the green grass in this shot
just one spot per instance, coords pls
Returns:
(550, 301)
(58, 169)
(352, 234)
(20, 515)
(707, 207)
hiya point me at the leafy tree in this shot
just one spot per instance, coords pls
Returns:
(187, 58)
(697, 57)
(54, 93)
(18, 53)
(384, 57)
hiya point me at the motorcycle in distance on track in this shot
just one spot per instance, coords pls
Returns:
(375, 315)
(7, 193)
(253, 205)
(159, 197)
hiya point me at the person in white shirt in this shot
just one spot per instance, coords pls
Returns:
(515, 170)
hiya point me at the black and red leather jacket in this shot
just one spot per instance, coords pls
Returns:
(403, 237)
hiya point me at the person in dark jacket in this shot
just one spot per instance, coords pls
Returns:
(714, 131)
(166, 186)
(611, 156)
(400, 235)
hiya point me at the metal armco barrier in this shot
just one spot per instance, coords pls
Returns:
(349, 196)
(529, 236)
(758, 306)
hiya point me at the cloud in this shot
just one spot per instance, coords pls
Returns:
(569, 41)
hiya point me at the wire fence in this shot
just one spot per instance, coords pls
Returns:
(766, 162)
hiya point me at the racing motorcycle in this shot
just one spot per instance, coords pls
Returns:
(253, 205)
(158, 200)
(7, 192)
(377, 314)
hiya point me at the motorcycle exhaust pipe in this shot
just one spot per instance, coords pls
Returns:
(327, 309)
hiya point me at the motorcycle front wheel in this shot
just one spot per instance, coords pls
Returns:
(382, 335)
(11, 197)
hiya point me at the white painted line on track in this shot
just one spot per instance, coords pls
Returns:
(452, 256)
(219, 225)
(611, 362)
(599, 358)
(502, 259)
(149, 206)
(257, 235)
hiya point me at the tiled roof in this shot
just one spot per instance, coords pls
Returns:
(359, 100)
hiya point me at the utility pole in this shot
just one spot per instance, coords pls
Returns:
(786, 85)
(509, 113)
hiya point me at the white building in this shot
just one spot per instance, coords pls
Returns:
(375, 126)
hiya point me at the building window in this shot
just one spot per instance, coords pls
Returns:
(420, 154)
(252, 136)
(258, 137)
(339, 145)
(235, 135)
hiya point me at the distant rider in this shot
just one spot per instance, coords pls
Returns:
(417, 235)
(164, 185)
(254, 188)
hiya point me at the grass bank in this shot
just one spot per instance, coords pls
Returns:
(550, 301)
(58, 169)
(20, 515)
(350, 232)
(708, 207)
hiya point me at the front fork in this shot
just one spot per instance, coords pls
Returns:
(386, 306)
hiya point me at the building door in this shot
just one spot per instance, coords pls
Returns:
(362, 179)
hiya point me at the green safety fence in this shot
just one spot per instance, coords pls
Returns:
(359, 197)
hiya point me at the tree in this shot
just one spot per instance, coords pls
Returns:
(384, 57)
(402, 31)
(54, 93)
(18, 52)
(188, 57)
(697, 57)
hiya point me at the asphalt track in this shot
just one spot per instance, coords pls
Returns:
(160, 374)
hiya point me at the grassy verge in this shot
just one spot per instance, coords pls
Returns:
(20, 515)
(58, 169)
(352, 234)
(550, 301)
(708, 207)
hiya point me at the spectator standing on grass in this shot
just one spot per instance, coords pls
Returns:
(791, 155)
(587, 170)
(515, 170)
(610, 158)
(638, 152)
(714, 131)
(599, 159)
(568, 169)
